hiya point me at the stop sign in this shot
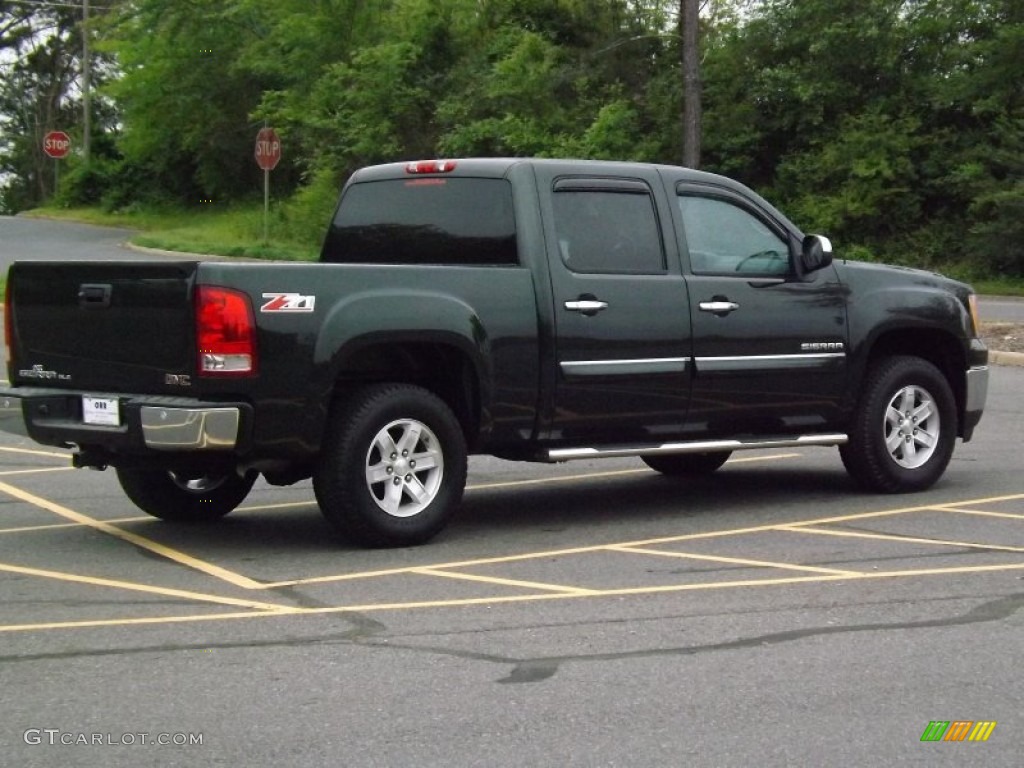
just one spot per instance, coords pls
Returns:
(268, 149)
(57, 144)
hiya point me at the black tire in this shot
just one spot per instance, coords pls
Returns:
(381, 497)
(904, 429)
(185, 497)
(686, 464)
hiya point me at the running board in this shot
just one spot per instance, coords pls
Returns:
(703, 446)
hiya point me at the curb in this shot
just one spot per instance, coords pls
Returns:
(128, 245)
(995, 357)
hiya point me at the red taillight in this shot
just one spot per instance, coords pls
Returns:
(225, 332)
(431, 166)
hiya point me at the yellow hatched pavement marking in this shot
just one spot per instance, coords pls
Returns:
(136, 587)
(29, 452)
(503, 582)
(734, 560)
(9, 472)
(139, 541)
(890, 537)
(534, 597)
(613, 473)
(795, 526)
(52, 526)
(958, 510)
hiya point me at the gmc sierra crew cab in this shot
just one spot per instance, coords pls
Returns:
(540, 310)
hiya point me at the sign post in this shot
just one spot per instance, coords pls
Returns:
(268, 155)
(56, 144)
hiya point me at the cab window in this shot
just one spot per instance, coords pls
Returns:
(608, 230)
(724, 239)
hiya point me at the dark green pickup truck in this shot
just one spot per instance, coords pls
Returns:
(541, 310)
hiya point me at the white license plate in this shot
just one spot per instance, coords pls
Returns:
(101, 411)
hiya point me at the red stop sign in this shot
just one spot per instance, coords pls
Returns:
(268, 149)
(57, 144)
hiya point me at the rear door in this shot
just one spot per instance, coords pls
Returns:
(622, 321)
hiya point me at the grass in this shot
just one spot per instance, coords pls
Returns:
(228, 231)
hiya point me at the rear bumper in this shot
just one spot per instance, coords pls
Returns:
(144, 423)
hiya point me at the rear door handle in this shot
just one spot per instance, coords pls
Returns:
(586, 306)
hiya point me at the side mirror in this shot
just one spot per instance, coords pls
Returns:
(816, 253)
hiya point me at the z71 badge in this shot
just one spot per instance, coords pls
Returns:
(287, 302)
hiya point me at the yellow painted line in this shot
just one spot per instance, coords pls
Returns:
(281, 505)
(613, 473)
(136, 587)
(654, 590)
(639, 543)
(984, 513)
(735, 560)
(909, 539)
(133, 622)
(771, 457)
(560, 479)
(51, 526)
(132, 538)
(502, 582)
(35, 471)
(28, 452)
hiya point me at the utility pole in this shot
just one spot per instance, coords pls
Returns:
(689, 20)
(87, 110)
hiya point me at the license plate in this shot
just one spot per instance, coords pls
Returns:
(101, 411)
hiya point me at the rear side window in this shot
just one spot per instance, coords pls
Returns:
(611, 231)
(424, 221)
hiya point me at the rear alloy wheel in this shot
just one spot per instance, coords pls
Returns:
(393, 466)
(686, 464)
(185, 497)
(905, 427)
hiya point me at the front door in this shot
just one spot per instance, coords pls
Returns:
(769, 344)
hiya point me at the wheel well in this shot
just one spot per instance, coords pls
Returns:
(943, 350)
(442, 369)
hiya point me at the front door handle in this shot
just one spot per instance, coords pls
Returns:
(718, 306)
(586, 306)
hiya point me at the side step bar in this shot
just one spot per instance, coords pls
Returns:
(702, 446)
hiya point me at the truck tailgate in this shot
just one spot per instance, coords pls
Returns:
(86, 325)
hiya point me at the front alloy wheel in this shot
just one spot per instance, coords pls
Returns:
(902, 435)
(912, 427)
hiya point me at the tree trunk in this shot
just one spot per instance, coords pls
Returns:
(689, 19)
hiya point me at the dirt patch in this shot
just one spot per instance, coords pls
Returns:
(1004, 337)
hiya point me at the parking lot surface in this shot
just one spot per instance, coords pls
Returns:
(591, 613)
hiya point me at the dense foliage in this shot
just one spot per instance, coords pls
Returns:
(896, 126)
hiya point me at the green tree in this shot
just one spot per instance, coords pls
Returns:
(40, 90)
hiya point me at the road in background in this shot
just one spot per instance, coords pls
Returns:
(42, 239)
